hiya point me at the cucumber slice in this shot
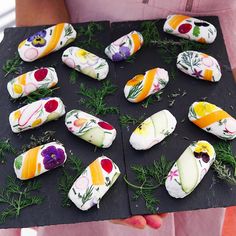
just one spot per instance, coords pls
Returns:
(94, 136)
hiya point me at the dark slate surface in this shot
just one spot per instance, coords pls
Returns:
(211, 192)
(117, 202)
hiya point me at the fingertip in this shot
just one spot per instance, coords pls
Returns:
(137, 222)
(153, 221)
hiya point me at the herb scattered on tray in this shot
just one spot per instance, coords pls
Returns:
(87, 36)
(5, 149)
(152, 99)
(168, 48)
(225, 163)
(71, 172)
(125, 120)
(16, 196)
(172, 97)
(94, 98)
(40, 93)
(46, 137)
(148, 179)
(12, 65)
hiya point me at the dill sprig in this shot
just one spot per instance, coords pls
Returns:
(12, 65)
(156, 97)
(46, 137)
(149, 32)
(225, 165)
(94, 98)
(148, 179)
(87, 35)
(73, 76)
(38, 94)
(5, 149)
(224, 172)
(126, 120)
(17, 196)
(71, 172)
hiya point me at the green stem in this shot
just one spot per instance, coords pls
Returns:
(140, 187)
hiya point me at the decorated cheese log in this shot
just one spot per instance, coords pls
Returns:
(190, 28)
(36, 114)
(29, 82)
(46, 41)
(153, 130)
(199, 65)
(86, 62)
(90, 128)
(213, 119)
(125, 46)
(142, 86)
(189, 169)
(39, 160)
(93, 183)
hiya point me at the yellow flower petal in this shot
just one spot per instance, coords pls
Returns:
(203, 146)
(204, 108)
(17, 88)
(37, 122)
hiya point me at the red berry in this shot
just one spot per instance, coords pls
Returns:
(51, 106)
(185, 28)
(40, 74)
(105, 125)
(107, 165)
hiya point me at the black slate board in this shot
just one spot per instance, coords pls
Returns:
(211, 192)
(117, 203)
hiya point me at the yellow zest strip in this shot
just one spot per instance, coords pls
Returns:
(211, 118)
(208, 75)
(55, 37)
(135, 80)
(39, 168)
(96, 173)
(175, 21)
(136, 41)
(30, 163)
(149, 77)
(22, 79)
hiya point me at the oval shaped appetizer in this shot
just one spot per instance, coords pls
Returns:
(199, 65)
(94, 182)
(90, 128)
(125, 46)
(24, 85)
(39, 160)
(36, 113)
(190, 28)
(86, 62)
(189, 169)
(46, 41)
(142, 86)
(213, 119)
(153, 130)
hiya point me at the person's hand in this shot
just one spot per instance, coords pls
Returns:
(140, 222)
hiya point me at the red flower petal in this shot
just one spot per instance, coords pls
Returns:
(51, 106)
(107, 165)
(185, 28)
(40, 74)
(105, 125)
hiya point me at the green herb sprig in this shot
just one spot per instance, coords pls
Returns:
(40, 93)
(126, 120)
(156, 97)
(16, 196)
(12, 65)
(71, 172)
(225, 163)
(5, 149)
(46, 137)
(87, 35)
(149, 178)
(73, 76)
(94, 98)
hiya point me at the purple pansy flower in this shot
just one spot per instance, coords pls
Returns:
(197, 74)
(38, 39)
(53, 157)
(123, 54)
